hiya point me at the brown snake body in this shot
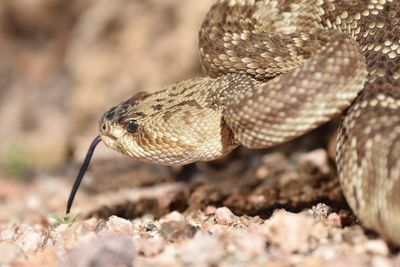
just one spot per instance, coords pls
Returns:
(276, 70)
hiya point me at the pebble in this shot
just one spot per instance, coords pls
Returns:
(202, 250)
(117, 226)
(105, 251)
(173, 216)
(316, 159)
(210, 210)
(46, 258)
(247, 245)
(335, 219)
(224, 216)
(10, 252)
(378, 247)
(379, 261)
(27, 238)
(7, 233)
(71, 236)
(151, 246)
(345, 260)
(321, 211)
(292, 232)
(217, 229)
(176, 231)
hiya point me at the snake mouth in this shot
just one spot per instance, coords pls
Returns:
(112, 142)
(111, 134)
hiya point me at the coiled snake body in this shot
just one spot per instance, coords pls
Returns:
(275, 70)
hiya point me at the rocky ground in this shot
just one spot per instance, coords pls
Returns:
(63, 64)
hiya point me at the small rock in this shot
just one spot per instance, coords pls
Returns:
(217, 229)
(321, 211)
(100, 225)
(377, 247)
(7, 233)
(248, 245)
(262, 172)
(346, 260)
(173, 216)
(150, 226)
(202, 250)
(335, 219)
(59, 230)
(176, 231)
(203, 196)
(42, 259)
(70, 236)
(354, 235)
(151, 247)
(210, 210)
(28, 239)
(106, 251)
(257, 200)
(224, 216)
(396, 261)
(326, 252)
(117, 226)
(10, 252)
(315, 161)
(292, 232)
(379, 261)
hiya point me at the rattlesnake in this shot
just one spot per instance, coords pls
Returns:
(275, 70)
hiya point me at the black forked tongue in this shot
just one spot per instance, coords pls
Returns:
(82, 172)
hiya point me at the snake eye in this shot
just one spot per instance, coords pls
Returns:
(132, 126)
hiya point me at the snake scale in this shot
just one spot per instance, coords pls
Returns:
(276, 70)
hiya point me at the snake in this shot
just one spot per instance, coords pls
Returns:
(274, 70)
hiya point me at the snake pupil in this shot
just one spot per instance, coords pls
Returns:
(132, 126)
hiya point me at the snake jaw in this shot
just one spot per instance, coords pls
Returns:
(111, 142)
(111, 133)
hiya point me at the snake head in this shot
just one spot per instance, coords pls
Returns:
(172, 126)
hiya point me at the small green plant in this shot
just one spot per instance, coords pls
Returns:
(66, 219)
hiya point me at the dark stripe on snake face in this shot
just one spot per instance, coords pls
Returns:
(110, 114)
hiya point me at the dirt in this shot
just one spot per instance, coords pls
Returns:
(63, 64)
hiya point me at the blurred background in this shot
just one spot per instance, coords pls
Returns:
(65, 62)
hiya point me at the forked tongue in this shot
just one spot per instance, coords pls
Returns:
(82, 172)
